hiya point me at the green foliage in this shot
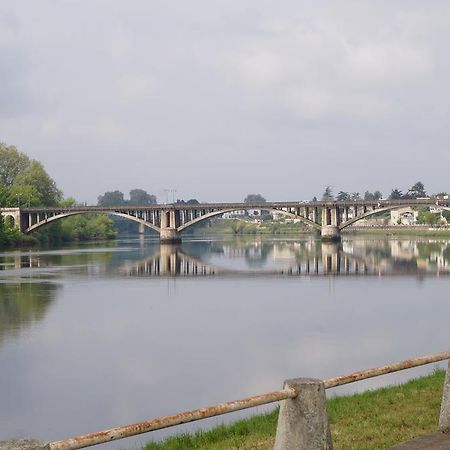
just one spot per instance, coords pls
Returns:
(87, 228)
(343, 196)
(254, 199)
(377, 195)
(429, 218)
(327, 195)
(35, 175)
(12, 163)
(111, 198)
(23, 195)
(372, 196)
(396, 194)
(417, 190)
(116, 198)
(67, 202)
(9, 234)
(22, 304)
(191, 201)
(141, 197)
(24, 181)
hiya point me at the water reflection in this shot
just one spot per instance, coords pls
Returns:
(103, 330)
(22, 305)
(353, 257)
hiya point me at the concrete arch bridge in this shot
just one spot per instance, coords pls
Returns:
(170, 220)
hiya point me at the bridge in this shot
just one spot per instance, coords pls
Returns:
(170, 220)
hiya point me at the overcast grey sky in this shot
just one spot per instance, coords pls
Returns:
(218, 99)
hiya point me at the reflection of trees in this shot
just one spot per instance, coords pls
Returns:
(23, 304)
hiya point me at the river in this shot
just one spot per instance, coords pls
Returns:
(95, 336)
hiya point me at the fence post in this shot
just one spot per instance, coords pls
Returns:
(303, 422)
(444, 418)
(23, 444)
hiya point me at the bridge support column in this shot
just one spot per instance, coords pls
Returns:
(330, 233)
(170, 235)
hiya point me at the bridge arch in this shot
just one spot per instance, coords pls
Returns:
(377, 211)
(223, 211)
(75, 213)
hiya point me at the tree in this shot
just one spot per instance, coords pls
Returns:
(343, 196)
(12, 163)
(114, 198)
(356, 196)
(24, 195)
(429, 218)
(141, 197)
(377, 195)
(396, 194)
(16, 169)
(368, 196)
(255, 199)
(327, 195)
(191, 201)
(417, 190)
(35, 175)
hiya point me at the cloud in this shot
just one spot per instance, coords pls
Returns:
(327, 70)
(240, 86)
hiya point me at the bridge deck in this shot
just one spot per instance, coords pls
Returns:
(435, 441)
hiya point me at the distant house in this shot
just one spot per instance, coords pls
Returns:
(235, 214)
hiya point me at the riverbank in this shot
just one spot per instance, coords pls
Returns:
(374, 419)
(92, 228)
(398, 231)
(236, 227)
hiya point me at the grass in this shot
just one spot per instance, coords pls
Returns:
(375, 419)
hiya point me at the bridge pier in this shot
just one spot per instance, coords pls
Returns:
(330, 224)
(169, 235)
(330, 233)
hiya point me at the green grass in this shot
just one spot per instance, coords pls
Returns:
(375, 419)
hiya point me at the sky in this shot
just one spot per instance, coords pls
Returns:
(218, 99)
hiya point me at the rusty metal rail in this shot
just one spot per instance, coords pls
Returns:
(223, 408)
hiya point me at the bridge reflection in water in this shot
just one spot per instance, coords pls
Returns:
(307, 258)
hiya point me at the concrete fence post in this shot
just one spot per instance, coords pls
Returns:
(303, 422)
(23, 444)
(444, 418)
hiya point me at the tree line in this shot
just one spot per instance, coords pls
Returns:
(138, 197)
(417, 190)
(25, 183)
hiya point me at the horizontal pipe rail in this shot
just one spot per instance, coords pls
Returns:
(223, 408)
(389, 368)
(170, 421)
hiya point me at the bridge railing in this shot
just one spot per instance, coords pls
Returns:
(303, 420)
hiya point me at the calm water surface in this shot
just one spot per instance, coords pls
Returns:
(93, 337)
